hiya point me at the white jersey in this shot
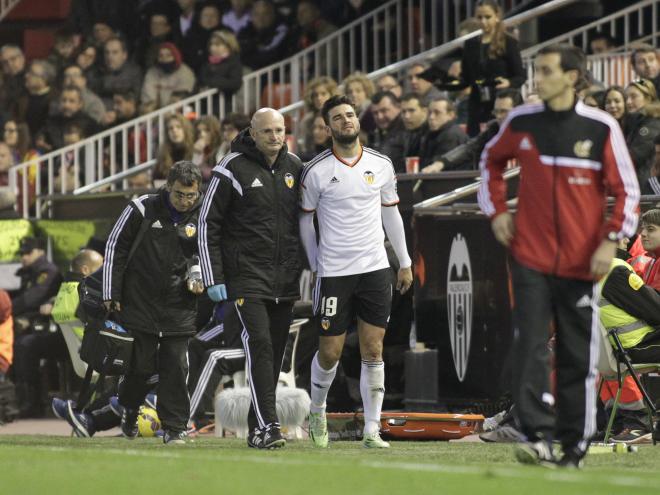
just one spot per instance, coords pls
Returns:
(347, 198)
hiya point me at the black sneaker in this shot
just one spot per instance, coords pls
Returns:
(255, 439)
(273, 438)
(570, 461)
(539, 453)
(129, 426)
(174, 437)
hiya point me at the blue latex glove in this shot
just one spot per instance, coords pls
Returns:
(217, 292)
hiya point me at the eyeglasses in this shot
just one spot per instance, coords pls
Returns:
(187, 196)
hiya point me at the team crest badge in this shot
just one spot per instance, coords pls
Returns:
(190, 230)
(240, 301)
(369, 177)
(582, 149)
(325, 323)
(289, 180)
(459, 303)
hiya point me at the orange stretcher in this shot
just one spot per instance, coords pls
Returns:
(407, 425)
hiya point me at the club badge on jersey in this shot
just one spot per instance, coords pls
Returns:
(190, 230)
(289, 180)
(369, 177)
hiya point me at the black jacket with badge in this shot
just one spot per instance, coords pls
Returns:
(249, 234)
(39, 282)
(152, 288)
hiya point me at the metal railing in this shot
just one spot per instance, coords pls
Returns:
(611, 68)
(6, 6)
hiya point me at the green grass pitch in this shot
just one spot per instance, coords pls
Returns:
(56, 465)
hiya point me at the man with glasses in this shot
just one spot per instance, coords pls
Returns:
(154, 294)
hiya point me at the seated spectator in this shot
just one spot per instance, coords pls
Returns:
(6, 162)
(650, 235)
(88, 60)
(265, 40)
(118, 73)
(195, 47)
(185, 22)
(232, 125)
(593, 97)
(614, 103)
(466, 156)
(320, 136)
(317, 92)
(13, 72)
(102, 32)
(160, 31)
(414, 115)
(8, 204)
(125, 107)
(34, 106)
(444, 133)
(642, 125)
(421, 87)
(71, 111)
(66, 178)
(652, 186)
(64, 49)
(141, 181)
(391, 84)
(207, 143)
(223, 69)
(6, 334)
(360, 89)
(17, 137)
(388, 136)
(238, 17)
(178, 145)
(644, 59)
(168, 75)
(601, 43)
(92, 105)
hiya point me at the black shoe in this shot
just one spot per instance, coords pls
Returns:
(539, 453)
(174, 437)
(129, 426)
(255, 439)
(273, 438)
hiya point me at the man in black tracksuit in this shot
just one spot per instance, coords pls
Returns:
(250, 254)
(154, 295)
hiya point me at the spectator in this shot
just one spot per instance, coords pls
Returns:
(125, 107)
(178, 145)
(87, 60)
(17, 137)
(466, 156)
(92, 104)
(102, 32)
(652, 186)
(207, 143)
(195, 49)
(420, 86)
(119, 74)
(320, 138)
(601, 43)
(443, 136)
(64, 49)
(642, 125)
(160, 31)
(490, 61)
(232, 125)
(239, 16)
(33, 107)
(644, 59)
(140, 181)
(6, 331)
(391, 84)
(388, 136)
(594, 97)
(71, 111)
(265, 40)
(90, 15)
(317, 92)
(223, 69)
(167, 76)
(13, 71)
(6, 162)
(360, 89)
(67, 179)
(614, 103)
(186, 19)
(414, 115)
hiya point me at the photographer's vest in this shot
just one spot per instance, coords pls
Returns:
(629, 329)
(65, 305)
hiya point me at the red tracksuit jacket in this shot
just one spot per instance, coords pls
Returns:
(570, 162)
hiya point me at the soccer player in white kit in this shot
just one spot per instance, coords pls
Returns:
(352, 190)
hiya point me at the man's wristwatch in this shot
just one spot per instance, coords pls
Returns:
(612, 236)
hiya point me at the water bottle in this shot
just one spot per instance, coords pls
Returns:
(194, 275)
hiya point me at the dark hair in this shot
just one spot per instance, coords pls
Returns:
(185, 172)
(378, 97)
(570, 58)
(333, 102)
(651, 217)
(413, 96)
(75, 89)
(604, 36)
(640, 48)
(239, 121)
(64, 34)
(512, 93)
(498, 42)
(74, 128)
(450, 104)
(126, 94)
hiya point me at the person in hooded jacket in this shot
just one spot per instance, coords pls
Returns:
(249, 247)
(154, 295)
(168, 76)
(223, 70)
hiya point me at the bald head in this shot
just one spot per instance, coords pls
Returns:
(87, 261)
(267, 129)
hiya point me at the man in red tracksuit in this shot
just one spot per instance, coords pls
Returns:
(572, 158)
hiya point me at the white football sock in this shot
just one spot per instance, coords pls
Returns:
(372, 389)
(321, 381)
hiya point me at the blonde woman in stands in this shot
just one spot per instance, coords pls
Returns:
(223, 69)
(178, 145)
(207, 143)
(642, 125)
(317, 92)
(359, 88)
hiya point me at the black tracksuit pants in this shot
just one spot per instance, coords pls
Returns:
(264, 328)
(539, 300)
(168, 357)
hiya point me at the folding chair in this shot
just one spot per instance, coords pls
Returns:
(614, 364)
(289, 378)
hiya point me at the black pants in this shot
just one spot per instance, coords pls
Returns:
(31, 348)
(168, 357)
(539, 300)
(647, 350)
(264, 330)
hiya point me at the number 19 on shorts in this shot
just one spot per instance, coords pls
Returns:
(329, 306)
